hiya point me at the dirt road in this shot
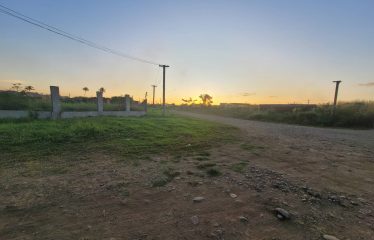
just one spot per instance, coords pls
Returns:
(340, 159)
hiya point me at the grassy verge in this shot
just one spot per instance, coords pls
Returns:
(127, 137)
(348, 115)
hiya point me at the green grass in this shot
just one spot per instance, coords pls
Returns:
(166, 176)
(125, 137)
(348, 114)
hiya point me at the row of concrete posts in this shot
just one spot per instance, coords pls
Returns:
(56, 103)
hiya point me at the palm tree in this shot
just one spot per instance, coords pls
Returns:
(102, 90)
(206, 99)
(16, 86)
(85, 89)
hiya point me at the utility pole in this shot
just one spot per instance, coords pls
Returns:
(153, 99)
(336, 94)
(163, 88)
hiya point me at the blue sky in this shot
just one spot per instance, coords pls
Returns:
(237, 51)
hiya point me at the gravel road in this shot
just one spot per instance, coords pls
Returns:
(340, 159)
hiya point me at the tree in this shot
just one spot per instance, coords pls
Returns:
(187, 101)
(206, 99)
(102, 90)
(85, 89)
(16, 86)
(29, 88)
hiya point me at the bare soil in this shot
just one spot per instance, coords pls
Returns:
(323, 177)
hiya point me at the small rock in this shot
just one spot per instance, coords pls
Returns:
(282, 214)
(243, 219)
(354, 203)
(233, 195)
(198, 199)
(216, 224)
(238, 201)
(330, 237)
(195, 220)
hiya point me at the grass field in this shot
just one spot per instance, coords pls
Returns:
(24, 140)
(348, 115)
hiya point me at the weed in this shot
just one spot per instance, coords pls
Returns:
(160, 181)
(213, 172)
(168, 174)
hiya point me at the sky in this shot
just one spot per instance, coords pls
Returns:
(264, 51)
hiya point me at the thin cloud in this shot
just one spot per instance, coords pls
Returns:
(11, 81)
(369, 84)
(247, 94)
(273, 96)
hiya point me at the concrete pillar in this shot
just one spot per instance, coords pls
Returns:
(56, 104)
(99, 101)
(127, 102)
(145, 102)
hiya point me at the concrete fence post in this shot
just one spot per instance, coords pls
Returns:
(145, 105)
(127, 103)
(99, 102)
(56, 104)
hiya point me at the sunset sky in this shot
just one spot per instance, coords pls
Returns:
(265, 51)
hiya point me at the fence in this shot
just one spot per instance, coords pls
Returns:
(57, 112)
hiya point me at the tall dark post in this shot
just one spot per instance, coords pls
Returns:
(163, 88)
(153, 99)
(336, 95)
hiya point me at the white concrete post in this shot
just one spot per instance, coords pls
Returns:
(145, 105)
(127, 103)
(56, 104)
(99, 102)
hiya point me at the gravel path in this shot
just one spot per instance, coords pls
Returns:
(337, 159)
(301, 134)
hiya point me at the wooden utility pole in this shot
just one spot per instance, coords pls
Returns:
(163, 88)
(153, 99)
(336, 95)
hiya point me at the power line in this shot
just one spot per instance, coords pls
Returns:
(22, 17)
